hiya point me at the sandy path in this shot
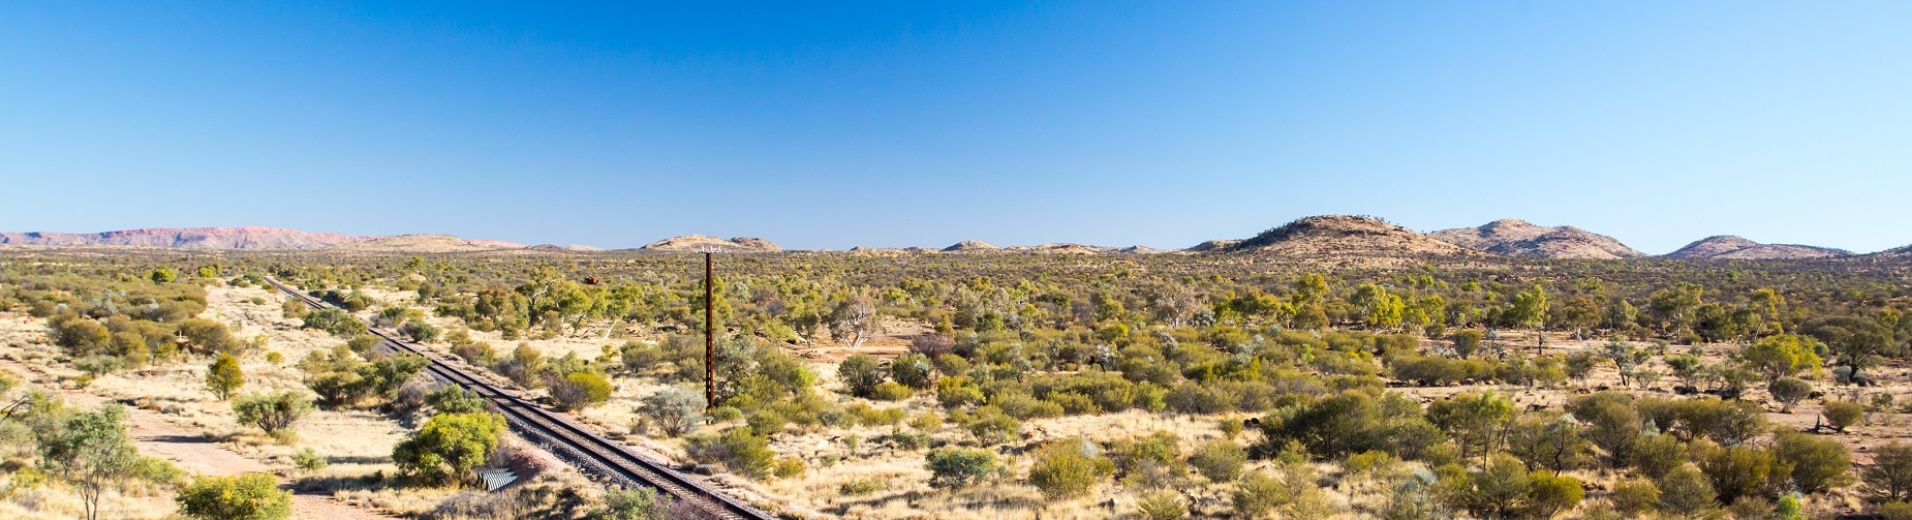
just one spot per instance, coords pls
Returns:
(195, 453)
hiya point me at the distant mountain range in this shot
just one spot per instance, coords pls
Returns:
(1318, 236)
(253, 238)
(189, 238)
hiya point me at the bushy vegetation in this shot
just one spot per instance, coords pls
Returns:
(449, 446)
(959, 467)
(252, 496)
(272, 413)
(737, 449)
(1069, 468)
(1015, 342)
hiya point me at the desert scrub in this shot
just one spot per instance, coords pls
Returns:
(1219, 460)
(1069, 468)
(959, 467)
(860, 487)
(736, 449)
(1161, 505)
(252, 496)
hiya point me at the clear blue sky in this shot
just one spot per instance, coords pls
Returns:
(924, 123)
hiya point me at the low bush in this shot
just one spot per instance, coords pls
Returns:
(1069, 468)
(959, 467)
(1219, 460)
(251, 496)
(736, 449)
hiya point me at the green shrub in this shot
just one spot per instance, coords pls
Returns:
(1635, 497)
(1024, 407)
(293, 309)
(957, 391)
(1818, 465)
(788, 467)
(1152, 461)
(1896, 510)
(271, 412)
(1789, 390)
(364, 343)
(1161, 505)
(419, 332)
(1256, 494)
(913, 370)
(1069, 468)
(860, 374)
(1889, 478)
(909, 441)
(959, 467)
(766, 422)
(308, 461)
(480, 353)
(674, 410)
(859, 487)
(639, 357)
(1073, 403)
(1843, 414)
(1219, 460)
(990, 426)
(1656, 454)
(449, 446)
(224, 376)
(579, 390)
(1685, 492)
(454, 399)
(736, 448)
(334, 321)
(867, 415)
(1295, 494)
(1199, 399)
(1735, 471)
(640, 503)
(1548, 494)
(251, 496)
(1369, 464)
(1231, 428)
(890, 391)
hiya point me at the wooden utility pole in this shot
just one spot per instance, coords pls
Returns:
(710, 336)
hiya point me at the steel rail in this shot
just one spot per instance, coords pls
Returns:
(606, 457)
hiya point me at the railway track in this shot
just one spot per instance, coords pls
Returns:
(591, 451)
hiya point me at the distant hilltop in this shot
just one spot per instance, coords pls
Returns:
(1322, 236)
(687, 243)
(1517, 237)
(1728, 247)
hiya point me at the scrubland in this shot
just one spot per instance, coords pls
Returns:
(1089, 386)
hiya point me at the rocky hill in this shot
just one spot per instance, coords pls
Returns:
(971, 246)
(1728, 247)
(188, 238)
(573, 248)
(1213, 245)
(1343, 235)
(1060, 249)
(692, 243)
(1515, 237)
